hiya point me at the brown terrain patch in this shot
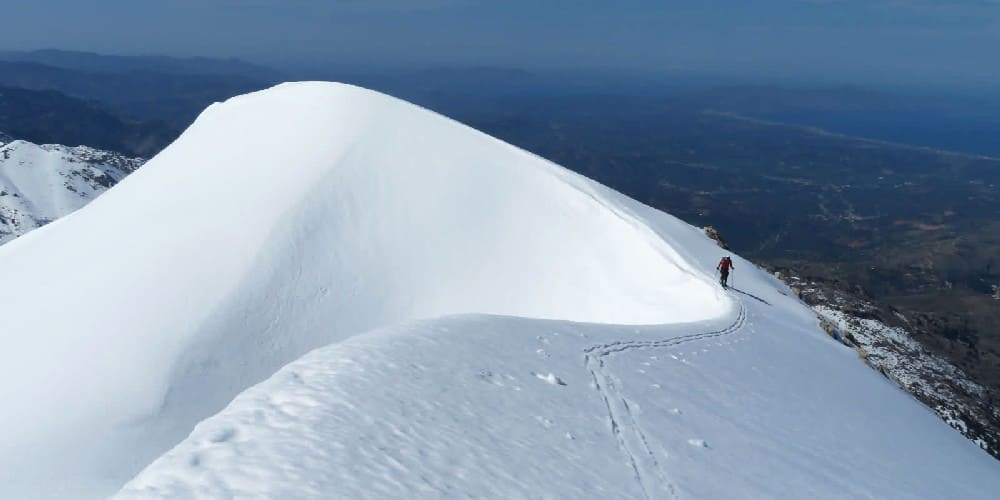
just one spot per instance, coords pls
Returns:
(919, 225)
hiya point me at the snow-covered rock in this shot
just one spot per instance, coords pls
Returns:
(39, 184)
(889, 342)
(475, 316)
(964, 404)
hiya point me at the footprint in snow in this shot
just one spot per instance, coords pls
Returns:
(489, 377)
(698, 443)
(542, 353)
(547, 423)
(550, 378)
(223, 435)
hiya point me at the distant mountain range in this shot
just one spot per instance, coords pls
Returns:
(192, 66)
(132, 104)
(137, 94)
(50, 117)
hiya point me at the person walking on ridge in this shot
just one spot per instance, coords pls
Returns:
(724, 266)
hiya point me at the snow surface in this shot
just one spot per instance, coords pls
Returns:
(478, 313)
(39, 184)
(757, 404)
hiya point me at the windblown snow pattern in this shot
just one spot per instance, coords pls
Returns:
(358, 298)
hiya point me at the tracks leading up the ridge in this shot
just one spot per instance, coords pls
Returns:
(645, 464)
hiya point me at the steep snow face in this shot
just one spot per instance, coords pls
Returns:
(279, 222)
(39, 184)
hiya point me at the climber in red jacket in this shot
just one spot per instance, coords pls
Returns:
(724, 266)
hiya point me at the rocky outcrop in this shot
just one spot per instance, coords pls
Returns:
(886, 340)
(713, 233)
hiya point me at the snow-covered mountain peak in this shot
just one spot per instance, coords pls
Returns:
(41, 183)
(420, 191)
(476, 319)
(287, 219)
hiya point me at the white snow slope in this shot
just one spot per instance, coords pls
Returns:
(481, 313)
(39, 184)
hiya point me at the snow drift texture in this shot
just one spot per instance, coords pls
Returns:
(307, 214)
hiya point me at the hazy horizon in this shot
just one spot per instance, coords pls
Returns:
(895, 42)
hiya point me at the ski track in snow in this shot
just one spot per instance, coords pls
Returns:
(631, 439)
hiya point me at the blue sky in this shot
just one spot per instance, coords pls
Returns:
(834, 40)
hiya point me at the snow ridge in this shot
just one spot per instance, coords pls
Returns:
(247, 243)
